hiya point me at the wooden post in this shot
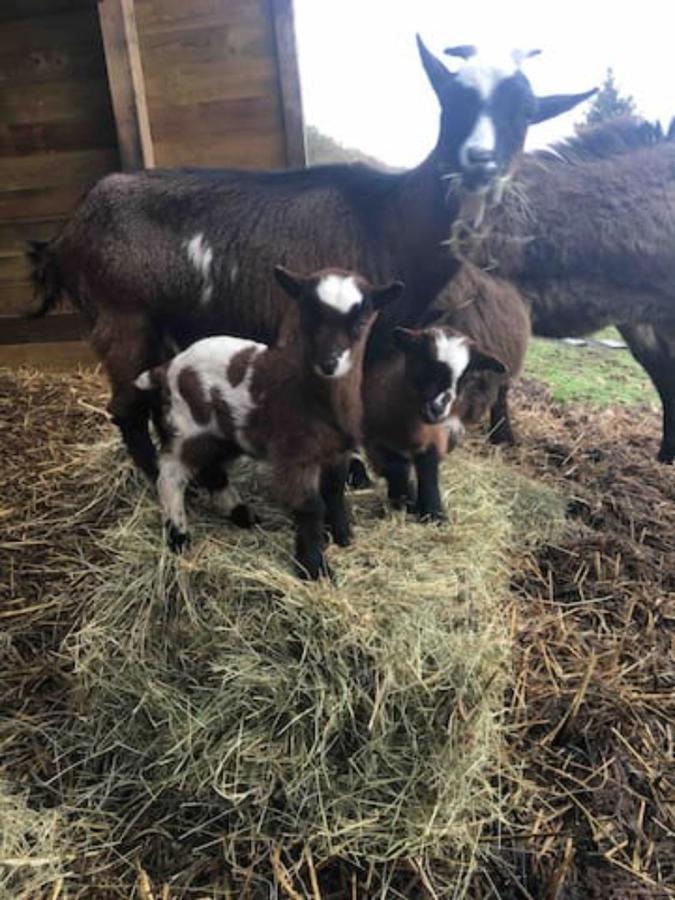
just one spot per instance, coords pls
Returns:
(289, 83)
(127, 86)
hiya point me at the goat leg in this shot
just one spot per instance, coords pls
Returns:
(171, 483)
(310, 562)
(429, 505)
(333, 482)
(395, 469)
(357, 477)
(500, 422)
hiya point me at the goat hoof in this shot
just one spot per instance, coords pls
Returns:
(503, 436)
(177, 540)
(342, 536)
(666, 456)
(243, 517)
(357, 476)
(435, 517)
(313, 571)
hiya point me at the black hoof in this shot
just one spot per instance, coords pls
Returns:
(357, 476)
(177, 540)
(313, 571)
(243, 517)
(502, 436)
(342, 536)
(435, 517)
(666, 456)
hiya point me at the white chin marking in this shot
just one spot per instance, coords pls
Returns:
(339, 292)
(344, 364)
(454, 352)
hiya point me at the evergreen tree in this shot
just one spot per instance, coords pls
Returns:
(608, 103)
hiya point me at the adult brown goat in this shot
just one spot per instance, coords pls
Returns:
(588, 237)
(184, 254)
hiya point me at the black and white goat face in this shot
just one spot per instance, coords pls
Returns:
(336, 306)
(486, 109)
(437, 361)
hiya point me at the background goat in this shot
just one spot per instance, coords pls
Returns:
(589, 240)
(297, 405)
(140, 248)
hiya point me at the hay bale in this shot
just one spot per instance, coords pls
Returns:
(210, 724)
(239, 707)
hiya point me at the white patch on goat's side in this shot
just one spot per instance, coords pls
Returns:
(234, 273)
(200, 255)
(210, 359)
(339, 292)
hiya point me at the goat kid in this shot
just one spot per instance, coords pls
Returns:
(297, 405)
(408, 410)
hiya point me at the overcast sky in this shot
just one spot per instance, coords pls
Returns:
(363, 84)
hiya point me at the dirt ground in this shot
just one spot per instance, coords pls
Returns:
(591, 712)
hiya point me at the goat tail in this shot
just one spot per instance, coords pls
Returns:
(145, 381)
(45, 277)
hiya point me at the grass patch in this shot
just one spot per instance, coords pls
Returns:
(589, 375)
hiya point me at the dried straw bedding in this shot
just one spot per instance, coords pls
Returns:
(208, 726)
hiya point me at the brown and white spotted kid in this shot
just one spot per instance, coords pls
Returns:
(297, 405)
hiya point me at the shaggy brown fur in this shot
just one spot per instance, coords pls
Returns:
(588, 237)
(492, 313)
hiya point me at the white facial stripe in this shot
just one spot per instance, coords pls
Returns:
(454, 352)
(339, 292)
(484, 75)
(483, 137)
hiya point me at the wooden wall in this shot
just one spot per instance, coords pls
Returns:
(216, 83)
(57, 136)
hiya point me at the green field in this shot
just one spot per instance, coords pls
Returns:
(589, 375)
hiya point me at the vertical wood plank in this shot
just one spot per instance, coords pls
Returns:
(127, 85)
(289, 82)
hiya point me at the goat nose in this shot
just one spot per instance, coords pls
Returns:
(480, 156)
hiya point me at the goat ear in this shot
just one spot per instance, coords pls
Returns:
(479, 360)
(440, 77)
(549, 107)
(289, 281)
(430, 317)
(463, 51)
(380, 296)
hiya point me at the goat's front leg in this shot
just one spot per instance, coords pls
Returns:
(298, 484)
(429, 505)
(395, 468)
(171, 483)
(333, 481)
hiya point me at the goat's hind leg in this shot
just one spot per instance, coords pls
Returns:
(171, 484)
(225, 498)
(333, 482)
(127, 345)
(500, 420)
